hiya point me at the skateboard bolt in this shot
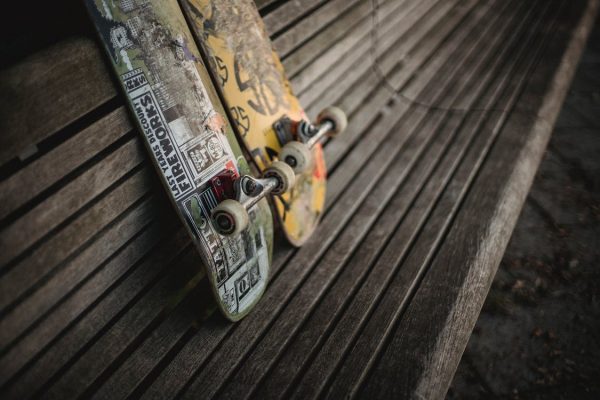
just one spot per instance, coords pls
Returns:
(291, 161)
(250, 186)
(225, 223)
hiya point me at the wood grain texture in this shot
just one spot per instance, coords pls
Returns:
(46, 171)
(50, 360)
(82, 231)
(49, 90)
(450, 105)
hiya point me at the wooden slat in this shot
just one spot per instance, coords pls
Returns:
(410, 23)
(290, 12)
(138, 366)
(78, 269)
(138, 320)
(345, 24)
(85, 330)
(46, 216)
(41, 261)
(351, 49)
(262, 4)
(48, 91)
(376, 94)
(46, 171)
(346, 58)
(451, 20)
(310, 24)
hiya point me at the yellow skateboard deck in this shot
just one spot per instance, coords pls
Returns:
(234, 42)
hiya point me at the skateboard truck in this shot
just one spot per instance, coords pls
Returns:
(230, 216)
(298, 153)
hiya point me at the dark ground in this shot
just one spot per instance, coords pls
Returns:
(538, 335)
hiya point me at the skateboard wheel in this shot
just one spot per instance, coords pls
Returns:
(297, 155)
(336, 116)
(230, 217)
(283, 173)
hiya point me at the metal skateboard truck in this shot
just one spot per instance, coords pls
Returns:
(297, 153)
(230, 216)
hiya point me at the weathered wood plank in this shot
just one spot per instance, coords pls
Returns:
(49, 361)
(377, 95)
(345, 24)
(347, 54)
(261, 4)
(138, 321)
(46, 171)
(78, 269)
(311, 24)
(343, 52)
(351, 75)
(71, 80)
(46, 216)
(289, 13)
(453, 19)
(137, 367)
(41, 261)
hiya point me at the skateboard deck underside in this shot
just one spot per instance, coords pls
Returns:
(238, 50)
(188, 137)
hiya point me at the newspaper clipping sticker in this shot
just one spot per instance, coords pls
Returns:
(157, 132)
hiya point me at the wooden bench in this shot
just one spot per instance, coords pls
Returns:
(451, 104)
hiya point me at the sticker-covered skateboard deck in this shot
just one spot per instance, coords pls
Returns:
(232, 37)
(189, 139)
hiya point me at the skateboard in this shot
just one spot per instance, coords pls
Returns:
(191, 143)
(269, 119)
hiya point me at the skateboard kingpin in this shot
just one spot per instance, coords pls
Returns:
(268, 117)
(192, 145)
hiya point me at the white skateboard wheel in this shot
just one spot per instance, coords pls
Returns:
(297, 155)
(230, 217)
(336, 116)
(283, 173)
